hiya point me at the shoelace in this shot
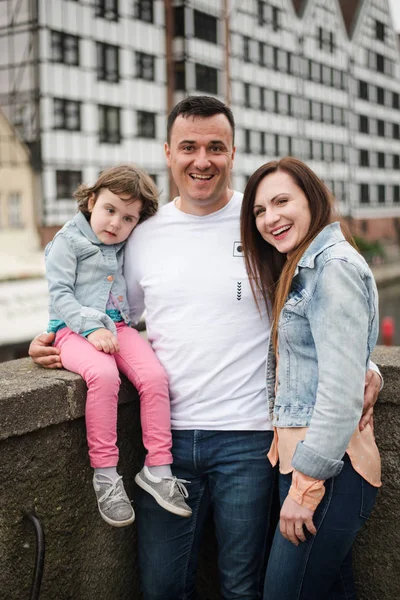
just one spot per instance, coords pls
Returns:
(111, 492)
(175, 482)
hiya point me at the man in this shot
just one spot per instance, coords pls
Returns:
(186, 266)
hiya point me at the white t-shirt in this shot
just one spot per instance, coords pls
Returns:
(202, 321)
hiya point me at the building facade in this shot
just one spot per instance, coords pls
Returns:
(89, 83)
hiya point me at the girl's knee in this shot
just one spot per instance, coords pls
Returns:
(103, 375)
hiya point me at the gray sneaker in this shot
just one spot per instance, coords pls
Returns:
(169, 492)
(114, 505)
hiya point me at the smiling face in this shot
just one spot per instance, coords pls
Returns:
(200, 155)
(113, 217)
(281, 212)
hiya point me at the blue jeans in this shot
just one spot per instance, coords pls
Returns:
(320, 568)
(229, 473)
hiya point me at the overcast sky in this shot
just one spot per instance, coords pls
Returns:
(395, 9)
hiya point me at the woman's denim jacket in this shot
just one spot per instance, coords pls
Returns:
(326, 332)
(81, 273)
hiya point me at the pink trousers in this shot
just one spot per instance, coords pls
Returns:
(138, 362)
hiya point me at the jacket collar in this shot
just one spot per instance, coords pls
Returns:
(329, 236)
(84, 227)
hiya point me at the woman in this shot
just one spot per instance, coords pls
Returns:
(324, 308)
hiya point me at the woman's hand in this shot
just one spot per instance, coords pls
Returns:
(373, 384)
(293, 519)
(103, 340)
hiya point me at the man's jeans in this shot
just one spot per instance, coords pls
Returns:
(321, 568)
(228, 472)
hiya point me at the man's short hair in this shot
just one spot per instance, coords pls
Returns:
(202, 107)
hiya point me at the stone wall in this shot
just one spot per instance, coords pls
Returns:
(44, 468)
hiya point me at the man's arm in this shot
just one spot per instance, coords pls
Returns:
(135, 293)
(43, 353)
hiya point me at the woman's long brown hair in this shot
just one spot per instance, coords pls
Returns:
(271, 272)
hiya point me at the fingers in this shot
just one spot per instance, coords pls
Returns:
(50, 362)
(366, 418)
(104, 342)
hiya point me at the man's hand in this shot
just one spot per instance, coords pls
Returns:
(43, 353)
(371, 391)
(293, 519)
(104, 340)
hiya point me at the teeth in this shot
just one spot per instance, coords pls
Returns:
(281, 230)
(202, 177)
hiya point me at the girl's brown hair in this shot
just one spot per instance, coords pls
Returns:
(270, 271)
(122, 179)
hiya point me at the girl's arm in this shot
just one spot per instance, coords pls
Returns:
(61, 266)
(338, 314)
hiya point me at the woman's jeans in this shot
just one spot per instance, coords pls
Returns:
(320, 568)
(228, 472)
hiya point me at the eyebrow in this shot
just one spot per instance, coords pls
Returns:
(275, 197)
(194, 142)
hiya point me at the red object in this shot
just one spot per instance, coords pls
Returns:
(387, 331)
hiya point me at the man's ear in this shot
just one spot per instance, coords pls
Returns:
(167, 154)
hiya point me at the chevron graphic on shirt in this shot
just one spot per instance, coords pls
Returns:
(239, 291)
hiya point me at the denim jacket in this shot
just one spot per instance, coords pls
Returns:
(326, 332)
(81, 272)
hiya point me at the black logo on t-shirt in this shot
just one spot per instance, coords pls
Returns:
(238, 249)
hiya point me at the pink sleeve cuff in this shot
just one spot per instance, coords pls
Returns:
(306, 490)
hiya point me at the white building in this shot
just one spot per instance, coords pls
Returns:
(85, 82)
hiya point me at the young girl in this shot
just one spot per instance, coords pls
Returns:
(89, 314)
(325, 323)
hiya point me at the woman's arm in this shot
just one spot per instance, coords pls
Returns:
(338, 314)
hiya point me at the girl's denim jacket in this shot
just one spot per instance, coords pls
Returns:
(81, 273)
(326, 332)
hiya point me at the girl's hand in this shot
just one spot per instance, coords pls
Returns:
(104, 340)
(293, 519)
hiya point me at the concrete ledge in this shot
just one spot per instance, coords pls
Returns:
(44, 467)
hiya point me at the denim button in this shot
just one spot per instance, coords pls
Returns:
(110, 278)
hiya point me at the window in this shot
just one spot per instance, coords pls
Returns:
(145, 10)
(395, 100)
(381, 127)
(364, 193)
(145, 66)
(364, 158)
(381, 194)
(381, 160)
(380, 31)
(380, 95)
(275, 18)
(363, 124)
(107, 9)
(363, 90)
(262, 98)
(146, 124)
(15, 210)
(396, 131)
(380, 63)
(179, 21)
(261, 54)
(326, 40)
(109, 124)
(246, 49)
(66, 114)
(263, 147)
(247, 141)
(396, 161)
(327, 113)
(247, 95)
(107, 62)
(206, 79)
(205, 27)
(261, 12)
(396, 194)
(66, 183)
(65, 48)
(180, 75)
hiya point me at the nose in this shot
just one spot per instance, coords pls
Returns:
(115, 222)
(271, 216)
(201, 161)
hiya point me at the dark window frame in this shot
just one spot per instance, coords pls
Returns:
(61, 46)
(103, 70)
(107, 9)
(67, 180)
(62, 106)
(145, 66)
(106, 133)
(146, 124)
(144, 10)
(206, 79)
(205, 26)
